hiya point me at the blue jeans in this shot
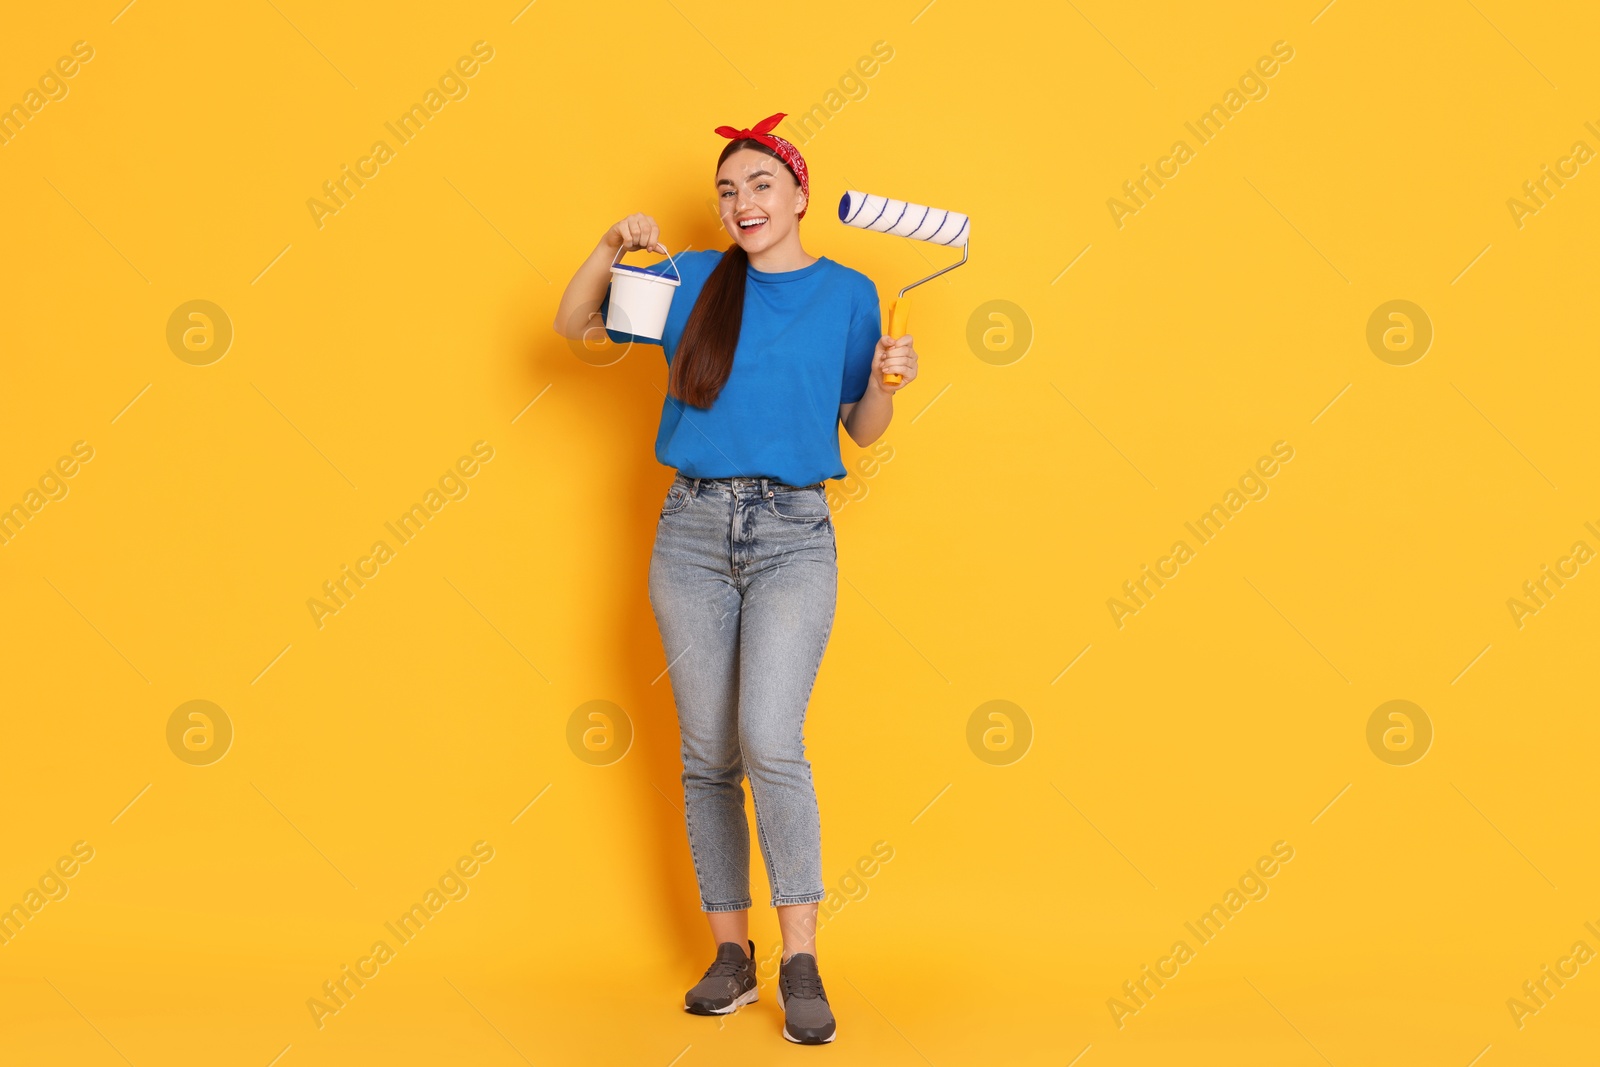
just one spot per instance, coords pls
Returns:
(743, 582)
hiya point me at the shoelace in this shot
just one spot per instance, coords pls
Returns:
(805, 986)
(724, 969)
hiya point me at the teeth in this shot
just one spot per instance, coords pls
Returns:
(745, 225)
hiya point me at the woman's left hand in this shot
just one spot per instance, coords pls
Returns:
(894, 355)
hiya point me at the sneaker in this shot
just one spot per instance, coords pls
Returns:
(729, 983)
(807, 1019)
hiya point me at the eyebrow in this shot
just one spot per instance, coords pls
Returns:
(752, 174)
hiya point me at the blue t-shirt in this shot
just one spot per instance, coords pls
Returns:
(805, 346)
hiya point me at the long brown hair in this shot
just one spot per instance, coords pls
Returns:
(704, 356)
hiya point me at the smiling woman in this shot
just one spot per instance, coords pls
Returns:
(769, 350)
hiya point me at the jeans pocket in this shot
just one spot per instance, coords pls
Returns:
(678, 498)
(799, 505)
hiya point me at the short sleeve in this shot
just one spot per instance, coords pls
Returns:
(618, 336)
(866, 326)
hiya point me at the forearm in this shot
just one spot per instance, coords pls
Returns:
(584, 292)
(871, 414)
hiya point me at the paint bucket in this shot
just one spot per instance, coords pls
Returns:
(640, 299)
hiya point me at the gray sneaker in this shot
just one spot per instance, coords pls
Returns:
(729, 983)
(807, 1019)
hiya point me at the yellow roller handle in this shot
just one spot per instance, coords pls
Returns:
(899, 314)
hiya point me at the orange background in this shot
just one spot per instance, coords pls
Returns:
(1053, 446)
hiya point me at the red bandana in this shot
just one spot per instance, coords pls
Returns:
(788, 152)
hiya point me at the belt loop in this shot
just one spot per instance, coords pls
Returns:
(696, 490)
(765, 492)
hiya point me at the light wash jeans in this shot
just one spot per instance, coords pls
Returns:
(743, 581)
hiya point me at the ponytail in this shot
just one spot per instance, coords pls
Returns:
(704, 357)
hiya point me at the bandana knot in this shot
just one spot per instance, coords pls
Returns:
(762, 133)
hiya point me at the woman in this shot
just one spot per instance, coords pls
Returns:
(769, 349)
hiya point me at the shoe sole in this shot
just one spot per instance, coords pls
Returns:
(797, 1041)
(747, 997)
(813, 1041)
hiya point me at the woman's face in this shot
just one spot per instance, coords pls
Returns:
(752, 186)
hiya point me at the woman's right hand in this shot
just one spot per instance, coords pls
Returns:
(635, 232)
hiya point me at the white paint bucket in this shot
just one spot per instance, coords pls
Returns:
(640, 299)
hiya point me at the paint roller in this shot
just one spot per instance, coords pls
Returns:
(900, 219)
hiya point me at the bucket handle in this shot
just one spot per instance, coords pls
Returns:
(670, 260)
